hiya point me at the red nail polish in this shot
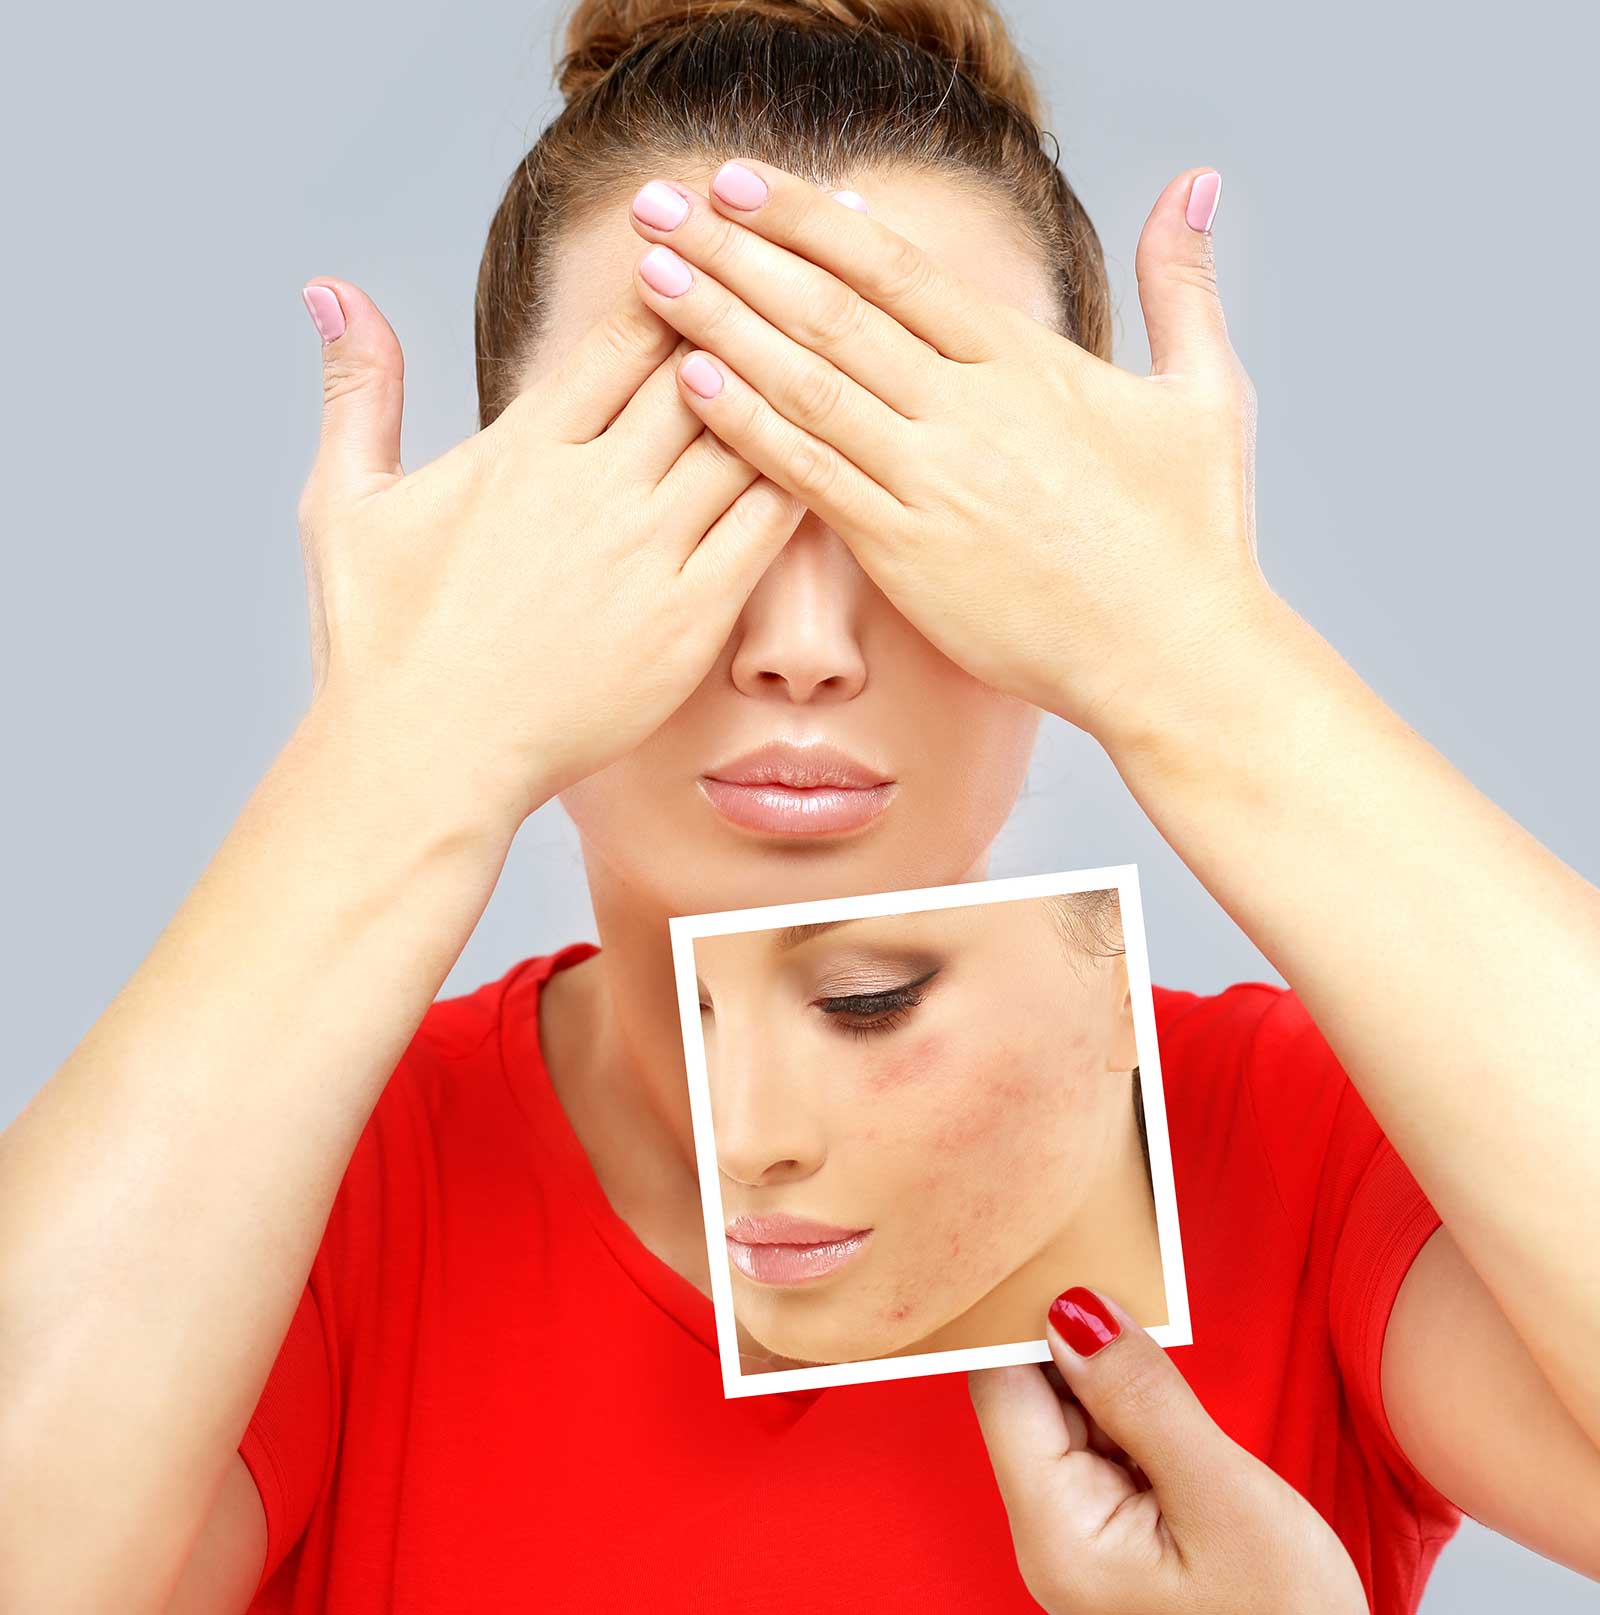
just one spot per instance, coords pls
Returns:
(1083, 1320)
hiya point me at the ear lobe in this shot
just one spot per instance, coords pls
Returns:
(1123, 1054)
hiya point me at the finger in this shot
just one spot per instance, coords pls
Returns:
(1178, 280)
(728, 562)
(592, 383)
(1024, 1425)
(802, 386)
(794, 295)
(363, 390)
(946, 310)
(1134, 1392)
(706, 479)
(837, 489)
(656, 426)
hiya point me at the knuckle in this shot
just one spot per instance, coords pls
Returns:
(342, 374)
(766, 506)
(1138, 1394)
(724, 239)
(633, 327)
(716, 317)
(903, 270)
(814, 390)
(812, 465)
(833, 318)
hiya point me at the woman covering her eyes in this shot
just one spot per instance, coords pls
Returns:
(786, 523)
(952, 1097)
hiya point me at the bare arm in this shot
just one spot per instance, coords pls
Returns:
(1453, 964)
(163, 1195)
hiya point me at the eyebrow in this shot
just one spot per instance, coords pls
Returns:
(791, 936)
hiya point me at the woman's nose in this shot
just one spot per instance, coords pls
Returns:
(798, 633)
(765, 1128)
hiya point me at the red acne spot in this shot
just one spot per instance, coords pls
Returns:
(898, 1314)
(904, 1063)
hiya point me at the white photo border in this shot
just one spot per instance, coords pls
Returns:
(684, 929)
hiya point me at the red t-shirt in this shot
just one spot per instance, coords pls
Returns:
(493, 1396)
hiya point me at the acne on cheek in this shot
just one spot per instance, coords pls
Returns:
(920, 1058)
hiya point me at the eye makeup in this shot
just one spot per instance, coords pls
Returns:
(875, 1012)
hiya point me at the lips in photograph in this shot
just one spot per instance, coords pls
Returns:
(783, 1249)
(786, 789)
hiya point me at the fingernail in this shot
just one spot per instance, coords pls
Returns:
(701, 376)
(1082, 1319)
(663, 269)
(1203, 195)
(738, 187)
(850, 199)
(323, 307)
(660, 206)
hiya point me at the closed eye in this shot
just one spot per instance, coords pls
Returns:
(866, 1014)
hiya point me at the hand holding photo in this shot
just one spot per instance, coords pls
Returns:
(919, 1117)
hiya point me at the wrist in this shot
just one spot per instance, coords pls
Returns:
(1212, 685)
(388, 778)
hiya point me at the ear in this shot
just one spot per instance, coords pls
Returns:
(1123, 1054)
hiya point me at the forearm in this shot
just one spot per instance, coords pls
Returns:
(1451, 961)
(164, 1193)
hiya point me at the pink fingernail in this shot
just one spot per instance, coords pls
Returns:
(660, 206)
(1203, 196)
(323, 307)
(701, 376)
(738, 187)
(663, 269)
(850, 199)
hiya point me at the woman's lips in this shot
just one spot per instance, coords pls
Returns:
(787, 1250)
(786, 788)
(789, 810)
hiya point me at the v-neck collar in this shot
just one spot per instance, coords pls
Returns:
(529, 1077)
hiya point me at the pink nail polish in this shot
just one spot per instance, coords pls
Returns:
(701, 376)
(660, 206)
(738, 187)
(323, 307)
(1203, 197)
(664, 270)
(851, 199)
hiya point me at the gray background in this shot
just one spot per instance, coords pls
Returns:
(1406, 243)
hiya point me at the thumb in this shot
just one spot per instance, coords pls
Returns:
(363, 374)
(1134, 1392)
(1178, 279)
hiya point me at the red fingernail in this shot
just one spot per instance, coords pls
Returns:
(1082, 1319)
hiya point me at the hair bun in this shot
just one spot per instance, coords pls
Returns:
(970, 34)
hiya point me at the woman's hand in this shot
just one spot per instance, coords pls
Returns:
(537, 600)
(1068, 532)
(1126, 1499)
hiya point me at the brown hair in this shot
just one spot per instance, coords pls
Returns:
(822, 88)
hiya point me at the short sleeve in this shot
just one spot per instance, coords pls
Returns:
(1364, 1216)
(288, 1443)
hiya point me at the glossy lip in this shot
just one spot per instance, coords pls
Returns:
(782, 788)
(785, 1250)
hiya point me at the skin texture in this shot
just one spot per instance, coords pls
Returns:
(986, 1136)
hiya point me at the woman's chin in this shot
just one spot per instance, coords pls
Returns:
(821, 1341)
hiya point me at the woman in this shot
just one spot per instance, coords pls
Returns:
(950, 1095)
(437, 1270)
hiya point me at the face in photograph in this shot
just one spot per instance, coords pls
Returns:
(926, 1126)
